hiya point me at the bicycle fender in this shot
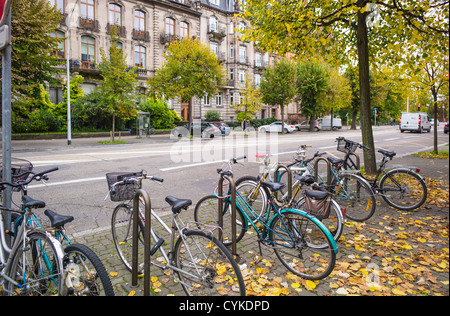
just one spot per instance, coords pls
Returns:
(316, 221)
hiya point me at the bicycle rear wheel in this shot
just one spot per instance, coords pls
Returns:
(403, 189)
(208, 268)
(87, 274)
(303, 245)
(37, 267)
(357, 196)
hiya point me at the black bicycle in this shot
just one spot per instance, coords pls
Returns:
(402, 188)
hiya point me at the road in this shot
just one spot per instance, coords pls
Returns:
(188, 167)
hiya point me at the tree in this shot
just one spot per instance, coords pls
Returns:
(278, 85)
(312, 82)
(339, 30)
(191, 69)
(119, 83)
(249, 99)
(33, 47)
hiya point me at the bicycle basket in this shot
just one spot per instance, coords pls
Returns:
(346, 146)
(122, 191)
(18, 166)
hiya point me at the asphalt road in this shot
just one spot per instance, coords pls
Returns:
(188, 166)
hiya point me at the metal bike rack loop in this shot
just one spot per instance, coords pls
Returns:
(289, 173)
(358, 160)
(147, 229)
(316, 170)
(233, 212)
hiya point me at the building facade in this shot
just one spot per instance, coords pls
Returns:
(146, 28)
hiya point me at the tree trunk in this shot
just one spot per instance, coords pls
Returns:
(364, 87)
(354, 118)
(113, 127)
(435, 116)
(191, 127)
(282, 118)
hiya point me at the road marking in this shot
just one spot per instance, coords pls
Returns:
(49, 184)
(392, 138)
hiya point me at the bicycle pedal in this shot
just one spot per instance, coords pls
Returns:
(156, 246)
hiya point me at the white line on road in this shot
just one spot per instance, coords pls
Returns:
(66, 182)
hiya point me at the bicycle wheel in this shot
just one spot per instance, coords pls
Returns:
(357, 196)
(122, 232)
(207, 267)
(37, 267)
(303, 245)
(403, 189)
(206, 212)
(255, 195)
(335, 220)
(86, 274)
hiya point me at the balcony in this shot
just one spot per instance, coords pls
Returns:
(84, 65)
(140, 35)
(89, 24)
(243, 60)
(259, 64)
(168, 38)
(121, 30)
(215, 32)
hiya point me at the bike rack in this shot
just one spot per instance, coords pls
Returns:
(147, 229)
(316, 171)
(358, 160)
(233, 213)
(276, 179)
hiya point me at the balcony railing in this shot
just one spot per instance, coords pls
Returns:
(121, 30)
(217, 32)
(141, 35)
(82, 65)
(243, 60)
(168, 38)
(89, 24)
(260, 64)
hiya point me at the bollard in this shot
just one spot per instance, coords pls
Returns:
(147, 229)
(316, 169)
(277, 179)
(233, 212)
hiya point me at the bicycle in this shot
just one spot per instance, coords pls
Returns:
(83, 273)
(202, 264)
(300, 241)
(402, 188)
(333, 217)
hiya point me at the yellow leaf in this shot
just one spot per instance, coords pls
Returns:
(310, 285)
(295, 285)
(132, 293)
(113, 274)
(422, 240)
(398, 292)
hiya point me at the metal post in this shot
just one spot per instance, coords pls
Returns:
(316, 169)
(233, 213)
(277, 179)
(147, 229)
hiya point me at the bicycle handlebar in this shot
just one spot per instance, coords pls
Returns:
(36, 176)
(351, 141)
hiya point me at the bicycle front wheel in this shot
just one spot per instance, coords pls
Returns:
(357, 196)
(207, 266)
(254, 194)
(37, 267)
(403, 189)
(303, 245)
(122, 232)
(86, 274)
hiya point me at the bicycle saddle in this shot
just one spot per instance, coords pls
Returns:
(32, 203)
(273, 186)
(335, 160)
(178, 204)
(389, 154)
(58, 220)
(305, 179)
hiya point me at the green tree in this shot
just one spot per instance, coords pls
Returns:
(312, 83)
(33, 59)
(377, 32)
(119, 83)
(161, 116)
(249, 99)
(278, 85)
(212, 115)
(191, 69)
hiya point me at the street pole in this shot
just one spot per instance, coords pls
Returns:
(69, 126)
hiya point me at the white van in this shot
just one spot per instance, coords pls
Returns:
(415, 122)
(325, 123)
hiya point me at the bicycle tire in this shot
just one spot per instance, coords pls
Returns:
(122, 232)
(312, 252)
(246, 186)
(85, 269)
(356, 195)
(206, 213)
(37, 267)
(335, 220)
(197, 252)
(412, 193)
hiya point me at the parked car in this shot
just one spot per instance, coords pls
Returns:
(304, 126)
(224, 128)
(325, 123)
(275, 127)
(446, 128)
(415, 122)
(203, 129)
(432, 122)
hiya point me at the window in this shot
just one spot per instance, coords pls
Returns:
(60, 51)
(87, 50)
(206, 100)
(115, 14)
(231, 51)
(232, 74)
(242, 78)
(215, 48)
(184, 29)
(139, 56)
(87, 9)
(58, 4)
(213, 24)
(258, 60)
(231, 27)
(257, 80)
(139, 21)
(242, 54)
(215, 2)
(242, 27)
(219, 99)
(170, 26)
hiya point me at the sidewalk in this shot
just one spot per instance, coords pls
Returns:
(394, 253)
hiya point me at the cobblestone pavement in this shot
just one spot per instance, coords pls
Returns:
(393, 253)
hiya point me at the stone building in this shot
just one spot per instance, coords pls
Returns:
(146, 28)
